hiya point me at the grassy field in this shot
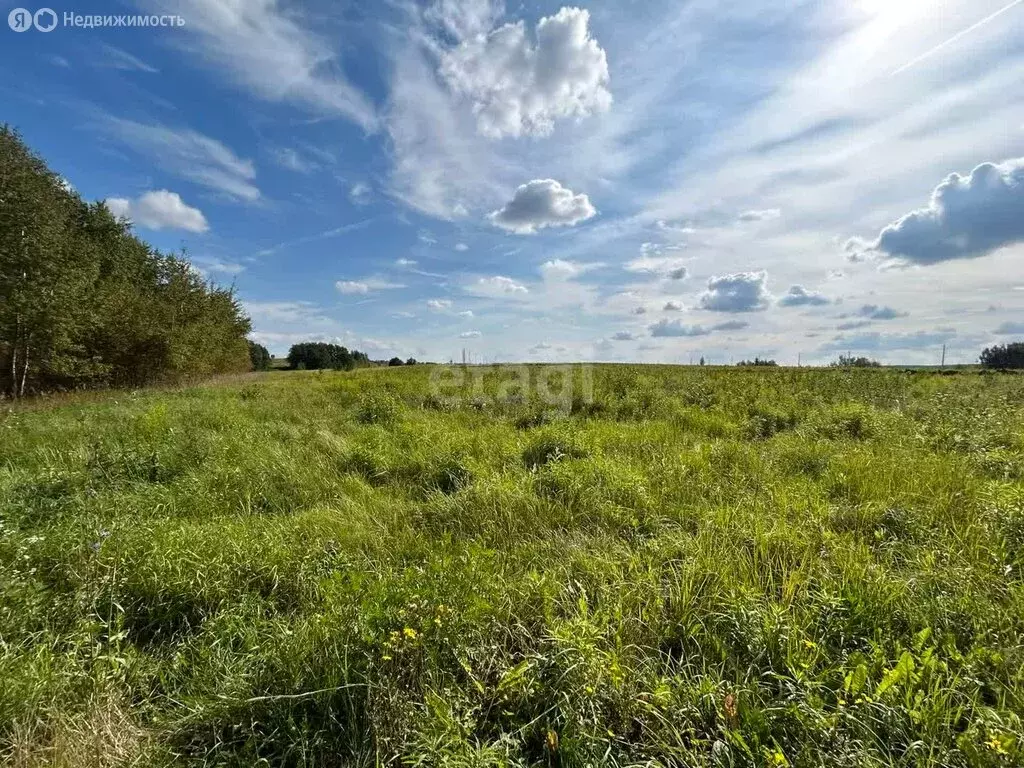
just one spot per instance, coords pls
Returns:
(694, 567)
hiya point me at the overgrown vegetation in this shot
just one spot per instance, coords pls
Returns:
(851, 361)
(85, 303)
(1008, 356)
(694, 567)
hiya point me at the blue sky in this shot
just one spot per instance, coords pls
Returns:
(633, 180)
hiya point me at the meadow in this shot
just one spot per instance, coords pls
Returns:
(691, 567)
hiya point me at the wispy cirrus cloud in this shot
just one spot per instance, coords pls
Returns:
(190, 155)
(271, 51)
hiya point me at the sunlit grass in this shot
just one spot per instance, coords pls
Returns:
(695, 567)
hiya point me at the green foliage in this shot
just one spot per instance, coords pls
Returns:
(85, 303)
(317, 356)
(757, 362)
(259, 357)
(849, 361)
(1005, 356)
(689, 567)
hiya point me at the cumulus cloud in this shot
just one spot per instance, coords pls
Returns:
(561, 269)
(498, 286)
(673, 306)
(798, 296)
(731, 325)
(439, 305)
(677, 328)
(1010, 329)
(875, 312)
(624, 336)
(967, 217)
(520, 87)
(461, 247)
(542, 203)
(638, 311)
(741, 292)
(470, 335)
(159, 209)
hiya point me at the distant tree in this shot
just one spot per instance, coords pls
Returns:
(757, 362)
(316, 356)
(702, 361)
(259, 356)
(411, 361)
(395, 361)
(849, 361)
(1009, 356)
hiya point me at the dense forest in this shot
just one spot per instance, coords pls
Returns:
(85, 303)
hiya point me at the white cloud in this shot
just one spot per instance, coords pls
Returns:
(498, 286)
(741, 292)
(562, 269)
(292, 160)
(798, 296)
(470, 335)
(464, 18)
(190, 155)
(359, 193)
(439, 305)
(267, 49)
(116, 58)
(674, 306)
(405, 262)
(542, 203)
(357, 287)
(875, 312)
(520, 87)
(206, 266)
(677, 328)
(159, 209)
(967, 217)
(653, 260)
(461, 247)
(467, 313)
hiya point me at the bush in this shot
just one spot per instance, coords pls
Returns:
(849, 361)
(1010, 356)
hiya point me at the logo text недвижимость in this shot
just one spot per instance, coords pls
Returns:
(47, 19)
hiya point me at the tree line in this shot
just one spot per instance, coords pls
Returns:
(85, 303)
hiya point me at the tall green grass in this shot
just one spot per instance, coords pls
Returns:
(694, 567)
